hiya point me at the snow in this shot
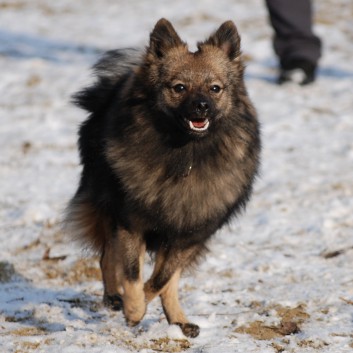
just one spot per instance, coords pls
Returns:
(292, 249)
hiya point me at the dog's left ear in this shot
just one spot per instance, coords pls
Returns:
(226, 38)
(163, 38)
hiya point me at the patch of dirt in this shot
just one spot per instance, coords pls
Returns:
(297, 314)
(260, 331)
(291, 318)
(166, 344)
(312, 343)
(163, 344)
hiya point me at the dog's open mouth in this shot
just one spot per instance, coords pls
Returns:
(199, 125)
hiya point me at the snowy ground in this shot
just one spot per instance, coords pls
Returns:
(279, 279)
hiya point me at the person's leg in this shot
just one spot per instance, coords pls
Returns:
(294, 41)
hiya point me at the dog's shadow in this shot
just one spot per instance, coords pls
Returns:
(20, 300)
(40, 310)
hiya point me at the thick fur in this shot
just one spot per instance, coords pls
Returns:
(169, 151)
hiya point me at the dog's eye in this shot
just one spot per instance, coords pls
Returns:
(215, 89)
(179, 88)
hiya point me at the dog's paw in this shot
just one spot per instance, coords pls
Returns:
(134, 313)
(189, 329)
(132, 323)
(114, 302)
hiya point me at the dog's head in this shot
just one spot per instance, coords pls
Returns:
(196, 90)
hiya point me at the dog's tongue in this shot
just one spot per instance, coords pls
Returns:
(199, 124)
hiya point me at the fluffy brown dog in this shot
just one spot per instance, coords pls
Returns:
(169, 153)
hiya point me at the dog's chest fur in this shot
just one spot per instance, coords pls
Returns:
(184, 186)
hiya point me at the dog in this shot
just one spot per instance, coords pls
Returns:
(169, 153)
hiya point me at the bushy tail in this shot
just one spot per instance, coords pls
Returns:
(86, 224)
(109, 70)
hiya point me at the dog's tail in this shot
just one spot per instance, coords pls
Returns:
(86, 224)
(110, 70)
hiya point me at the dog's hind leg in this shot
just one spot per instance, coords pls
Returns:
(122, 256)
(94, 228)
(164, 282)
(122, 269)
(112, 273)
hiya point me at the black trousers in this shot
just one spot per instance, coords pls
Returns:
(294, 37)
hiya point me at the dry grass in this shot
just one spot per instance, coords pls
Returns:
(29, 331)
(83, 270)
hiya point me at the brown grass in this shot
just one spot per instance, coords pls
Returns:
(83, 270)
(29, 331)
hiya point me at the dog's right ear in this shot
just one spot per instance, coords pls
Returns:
(163, 38)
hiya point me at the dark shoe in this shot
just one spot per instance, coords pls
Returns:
(300, 71)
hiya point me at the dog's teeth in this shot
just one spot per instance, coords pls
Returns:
(203, 128)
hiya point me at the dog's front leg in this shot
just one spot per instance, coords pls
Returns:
(165, 281)
(132, 252)
(122, 268)
(112, 273)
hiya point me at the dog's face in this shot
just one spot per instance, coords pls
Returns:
(194, 90)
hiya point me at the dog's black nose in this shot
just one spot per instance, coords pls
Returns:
(202, 107)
